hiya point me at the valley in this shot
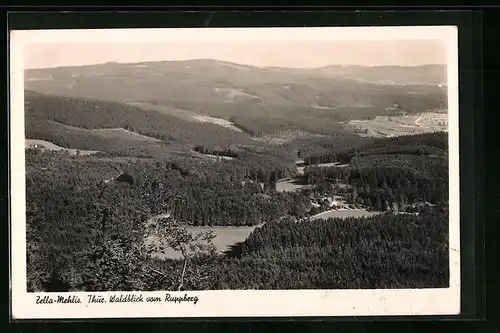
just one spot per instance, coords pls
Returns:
(230, 174)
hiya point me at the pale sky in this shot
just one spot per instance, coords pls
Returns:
(261, 53)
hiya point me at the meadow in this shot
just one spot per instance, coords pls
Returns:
(344, 213)
(388, 126)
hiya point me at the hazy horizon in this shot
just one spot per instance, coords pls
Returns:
(219, 60)
(284, 54)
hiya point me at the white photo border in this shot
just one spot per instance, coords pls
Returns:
(232, 303)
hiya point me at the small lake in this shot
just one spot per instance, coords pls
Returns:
(224, 239)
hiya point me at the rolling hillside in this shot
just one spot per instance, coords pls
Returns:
(226, 90)
(118, 128)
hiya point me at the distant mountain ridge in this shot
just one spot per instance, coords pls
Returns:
(227, 97)
(399, 75)
(212, 81)
(432, 74)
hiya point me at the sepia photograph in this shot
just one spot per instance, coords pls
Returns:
(235, 172)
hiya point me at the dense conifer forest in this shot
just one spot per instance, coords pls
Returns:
(208, 175)
(86, 217)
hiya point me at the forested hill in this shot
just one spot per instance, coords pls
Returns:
(343, 149)
(104, 126)
(384, 172)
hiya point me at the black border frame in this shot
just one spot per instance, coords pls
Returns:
(470, 114)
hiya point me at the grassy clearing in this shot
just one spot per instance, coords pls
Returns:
(43, 144)
(290, 185)
(344, 213)
(217, 121)
(401, 125)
